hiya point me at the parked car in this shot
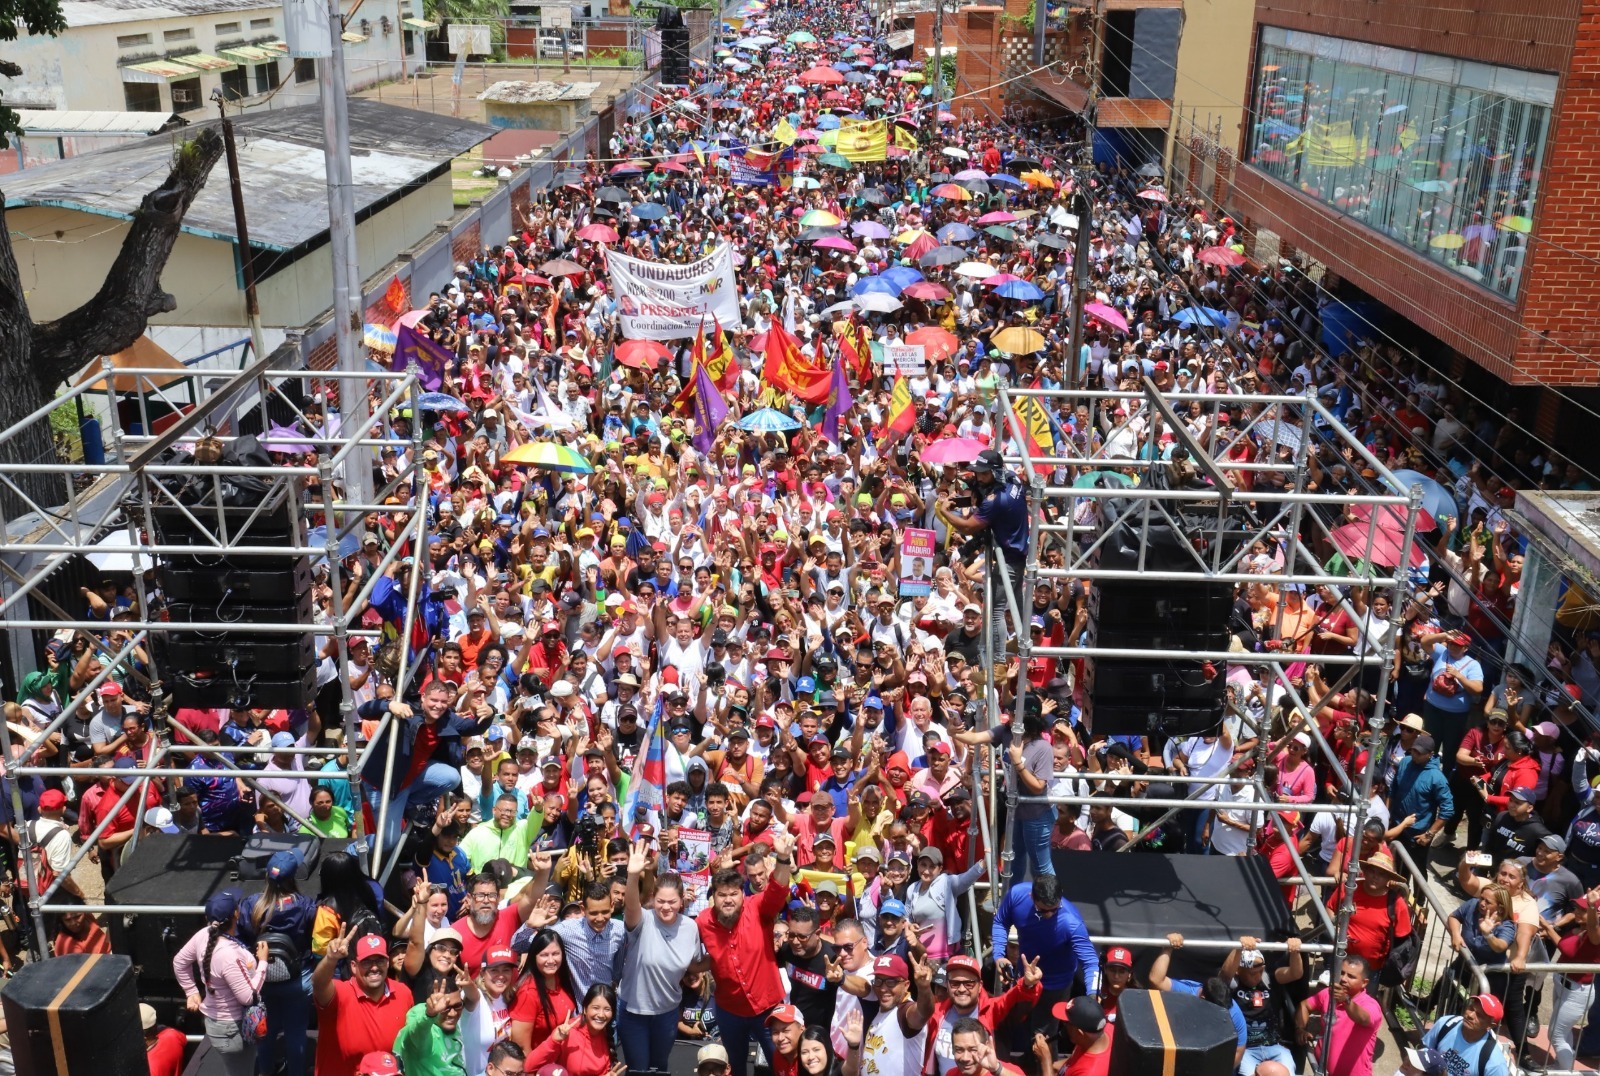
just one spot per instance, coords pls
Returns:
(552, 42)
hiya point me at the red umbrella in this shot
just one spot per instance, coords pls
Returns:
(670, 166)
(1153, 195)
(821, 75)
(1222, 257)
(528, 276)
(833, 95)
(641, 354)
(598, 233)
(919, 246)
(1392, 517)
(938, 344)
(927, 289)
(1353, 539)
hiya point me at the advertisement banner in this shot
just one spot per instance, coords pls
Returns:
(666, 301)
(908, 359)
(916, 562)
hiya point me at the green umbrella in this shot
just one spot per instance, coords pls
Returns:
(1000, 231)
(1094, 478)
(833, 160)
(800, 37)
(874, 102)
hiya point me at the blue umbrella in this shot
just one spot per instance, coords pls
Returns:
(855, 76)
(649, 211)
(1019, 289)
(827, 122)
(842, 65)
(880, 67)
(903, 276)
(440, 401)
(794, 87)
(767, 420)
(882, 283)
(955, 232)
(690, 147)
(1435, 498)
(1191, 316)
(349, 544)
(1005, 179)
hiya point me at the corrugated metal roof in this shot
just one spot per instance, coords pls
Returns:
(281, 165)
(38, 121)
(157, 71)
(420, 24)
(110, 12)
(205, 61)
(248, 54)
(350, 37)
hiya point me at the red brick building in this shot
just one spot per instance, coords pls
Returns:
(1444, 159)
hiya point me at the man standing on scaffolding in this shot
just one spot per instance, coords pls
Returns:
(1001, 515)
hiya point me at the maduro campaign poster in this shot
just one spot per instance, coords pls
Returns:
(666, 301)
(694, 856)
(916, 562)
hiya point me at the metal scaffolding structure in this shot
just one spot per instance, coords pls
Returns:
(1137, 448)
(148, 413)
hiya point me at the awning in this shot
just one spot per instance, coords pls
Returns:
(1067, 94)
(249, 54)
(156, 71)
(205, 61)
(280, 47)
(900, 39)
(420, 24)
(350, 37)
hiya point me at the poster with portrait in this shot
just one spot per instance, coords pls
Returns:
(916, 562)
(694, 857)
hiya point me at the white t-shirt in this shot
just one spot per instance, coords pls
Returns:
(1228, 840)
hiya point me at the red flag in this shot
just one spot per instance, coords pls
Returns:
(395, 296)
(902, 416)
(788, 371)
(719, 358)
(856, 345)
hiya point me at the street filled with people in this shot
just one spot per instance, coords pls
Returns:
(698, 746)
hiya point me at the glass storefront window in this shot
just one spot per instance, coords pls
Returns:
(1442, 155)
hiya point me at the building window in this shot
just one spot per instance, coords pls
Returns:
(260, 24)
(141, 96)
(223, 29)
(177, 35)
(267, 77)
(1439, 154)
(235, 84)
(132, 41)
(186, 96)
(305, 70)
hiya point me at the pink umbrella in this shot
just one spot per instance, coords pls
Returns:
(1352, 541)
(1223, 257)
(821, 75)
(1109, 315)
(898, 151)
(598, 233)
(1153, 195)
(999, 216)
(285, 439)
(1392, 517)
(953, 450)
(813, 147)
(837, 242)
(927, 289)
(919, 246)
(999, 279)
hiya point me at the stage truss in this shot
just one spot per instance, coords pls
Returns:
(107, 509)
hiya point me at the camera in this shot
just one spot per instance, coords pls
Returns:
(586, 837)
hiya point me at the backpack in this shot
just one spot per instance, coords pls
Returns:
(1449, 1024)
(43, 874)
(1400, 966)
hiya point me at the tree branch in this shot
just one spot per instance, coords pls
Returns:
(131, 293)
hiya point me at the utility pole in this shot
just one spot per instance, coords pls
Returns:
(1081, 200)
(347, 306)
(247, 268)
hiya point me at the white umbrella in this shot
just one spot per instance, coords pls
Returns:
(878, 302)
(846, 307)
(976, 270)
(957, 152)
(114, 553)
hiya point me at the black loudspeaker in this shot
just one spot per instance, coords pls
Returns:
(75, 1014)
(250, 654)
(1153, 718)
(243, 582)
(181, 869)
(675, 55)
(223, 689)
(261, 847)
(1177, 1034)
(1134, 696)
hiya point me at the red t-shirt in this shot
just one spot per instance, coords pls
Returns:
(165, 1054)
(1370, 936)
(353, 1025)
(1574, 949)
(475, 949)
(1084, 1063)
(530, 1010)
(421, 752)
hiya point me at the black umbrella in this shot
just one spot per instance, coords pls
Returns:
(571, 177)
(1053, 241)
(945, 255)
(976, 186)
(812, 234)
(613, 194)
(873, 196)
(601, 211)
(1016, 164)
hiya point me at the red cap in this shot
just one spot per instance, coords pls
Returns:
(785, 1014)
(1459, 638)
(52, 799)
(110, 689)
(940, 748)
(963, 963)
(669, 675)
(498, 957)
(371, 945)
(378, 1063)
(765, 722)
(549, 626)
(1491, 1006)
(890, 966)
(551, 1069)
(1118, 957)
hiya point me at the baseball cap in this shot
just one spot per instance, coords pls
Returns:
(868, 851)
(371, 945)
(527, 743)
(550, 760)
(147, 1016)
(963, 963)
(892, 907)
(378, 1063)
(1554, 841)
(1490, 1005)
(445, 934)
(159, 817)
(282, 741)
(1083, 1013)
(52, 799)
(282, 864)
(1251, 958)
(1118, 957)
(1460, 638)
(110, 689)
(1548, 728)
(713, 1052)
(804, 685)
(222, 905)
(1424, 745)
(785, 1014)
(890, 966)
(1523, 794)
(499, 957)
(933, 855)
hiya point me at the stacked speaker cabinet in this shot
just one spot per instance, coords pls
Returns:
(75, 1014)
(674, 47)
(228, 665)
(1161, 696)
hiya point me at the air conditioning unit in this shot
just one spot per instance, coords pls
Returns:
(182, 97)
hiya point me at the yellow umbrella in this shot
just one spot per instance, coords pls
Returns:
(1448, 241)
(1039, 179)
(1017, 341)
(1517, 224)
(910, 235)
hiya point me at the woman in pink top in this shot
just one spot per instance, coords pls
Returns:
(1297, 781)
(221, 978)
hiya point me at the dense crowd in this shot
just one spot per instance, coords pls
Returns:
(700, 737)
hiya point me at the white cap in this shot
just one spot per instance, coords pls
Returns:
(1303, 739)
(562, 688)
(161, 818)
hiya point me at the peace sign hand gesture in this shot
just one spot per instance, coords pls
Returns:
(1031, 975)
(438, 1000)
(832, 970)
(921, 973)
(339, 945)
(566, 1026)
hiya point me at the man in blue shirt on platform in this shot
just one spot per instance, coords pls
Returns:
(1051, 931)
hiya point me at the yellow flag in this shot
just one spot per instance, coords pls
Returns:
(784, 132)
(863, 140)
(904, 138)
(701, 157)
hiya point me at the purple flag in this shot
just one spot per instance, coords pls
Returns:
(709, 408)
(839, 401)
(412, 346)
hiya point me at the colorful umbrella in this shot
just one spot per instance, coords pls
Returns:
(952, 191)
(1391, 517)
(598, 233)
(1448, 241)
(1150, 194)
(1517, 224)
(869, 229)
(834, 160)
(378, 338)
(820, 218)
(1377, 545)
(1018, 340)
(818, 76)
(550, 456)
(952, 450)
(1221, 257)
(641, 354)
(927, 290)
(1438, 500)
(440, 401)
(938, 344)
(837, 242)
(999, 216)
